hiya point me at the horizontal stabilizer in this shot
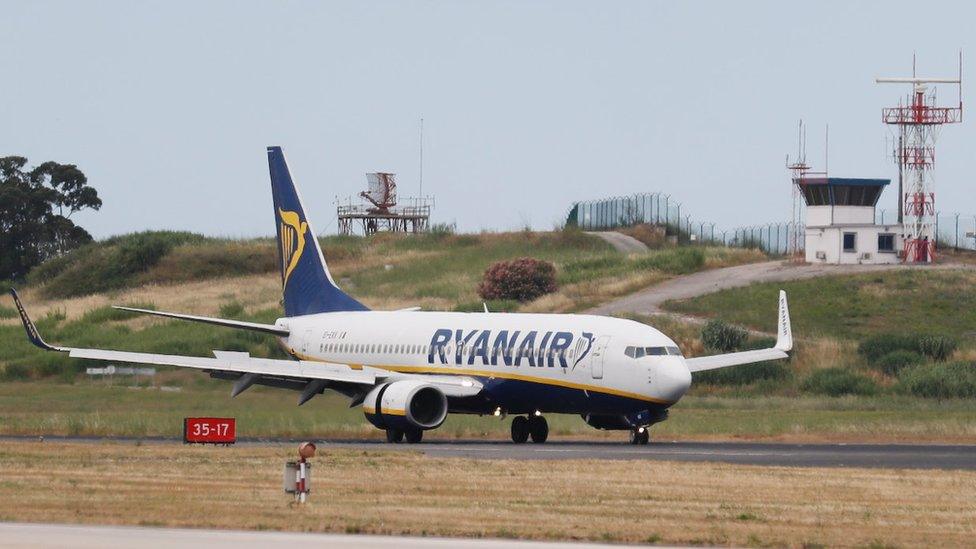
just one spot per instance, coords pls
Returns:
(239, 324)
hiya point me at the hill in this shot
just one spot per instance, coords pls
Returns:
(71, 296)
(238, 279)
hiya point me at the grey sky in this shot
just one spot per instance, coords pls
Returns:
(528, 106)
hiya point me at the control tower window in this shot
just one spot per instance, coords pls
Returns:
(850, 242)
(886, 242)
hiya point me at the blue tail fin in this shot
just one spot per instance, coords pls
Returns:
(306, 283)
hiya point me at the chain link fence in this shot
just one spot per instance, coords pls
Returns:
(652, 208)
(953, 230)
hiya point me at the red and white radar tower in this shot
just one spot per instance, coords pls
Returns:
(919, 119)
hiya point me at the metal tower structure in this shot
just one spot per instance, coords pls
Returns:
(381, 210)
(919, 119)
(800, 172)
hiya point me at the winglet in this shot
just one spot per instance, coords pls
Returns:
(32, 334)
(784, 331)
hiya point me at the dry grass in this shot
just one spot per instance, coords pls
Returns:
(203, 297)
(573, 297)
(717, 257)
(404, 493)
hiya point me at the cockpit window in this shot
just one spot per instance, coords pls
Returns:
(638, 352)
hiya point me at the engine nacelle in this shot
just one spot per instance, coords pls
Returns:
(406, 404)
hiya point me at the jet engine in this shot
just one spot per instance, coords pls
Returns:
(406, 404)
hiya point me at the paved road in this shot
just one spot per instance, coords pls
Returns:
(900, 456)
(621, 242)
(22, 535)
(649, 301)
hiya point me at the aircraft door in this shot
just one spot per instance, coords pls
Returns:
(596, 356)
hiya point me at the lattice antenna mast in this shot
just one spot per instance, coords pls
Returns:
(919, 119)
(797, 171)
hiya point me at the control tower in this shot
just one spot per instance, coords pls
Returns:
(840, 221)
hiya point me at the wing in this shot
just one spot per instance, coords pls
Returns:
(307, 376)
(784, 344)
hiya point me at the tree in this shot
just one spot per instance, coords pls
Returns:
(36, 206)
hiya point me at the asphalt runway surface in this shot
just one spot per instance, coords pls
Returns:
(895, 456)
(98, 537)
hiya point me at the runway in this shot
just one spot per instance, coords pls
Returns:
(38, 536)
(896, 456)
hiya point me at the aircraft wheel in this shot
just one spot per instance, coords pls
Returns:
(394, 435)
(640, 436)
(414, 436)
(538, 429)
(520, 429)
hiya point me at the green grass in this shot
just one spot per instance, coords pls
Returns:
(436, 265)
(449, 267)
(106, 409)
(7, 312)
(105, 328)
(853, 307)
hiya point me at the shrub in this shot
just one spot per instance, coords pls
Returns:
(588, 269)
(877, 346)
(894, 361)
(522, 279)
(676, 261)
(495, 306)
(232, 309)
(744, 374)
(441, 230)
(8, 312)
(15, 372)
(718, 335)
(838, 382)
(934, 346)
(948, 380)
(107, 265)
(937, 347)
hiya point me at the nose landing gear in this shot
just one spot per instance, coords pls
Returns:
(535, 427)
(640, 435)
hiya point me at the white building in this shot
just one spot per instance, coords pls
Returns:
(840, 222)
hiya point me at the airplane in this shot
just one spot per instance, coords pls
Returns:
(408, 368)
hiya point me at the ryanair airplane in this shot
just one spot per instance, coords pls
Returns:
(408, 369)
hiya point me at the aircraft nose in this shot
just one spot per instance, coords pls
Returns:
(674, 380)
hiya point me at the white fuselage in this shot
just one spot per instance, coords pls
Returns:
(547, 362)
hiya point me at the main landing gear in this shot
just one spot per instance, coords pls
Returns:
(534, 426)
(640, 435)
(413, 436)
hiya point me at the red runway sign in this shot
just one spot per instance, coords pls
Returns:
(209, 430)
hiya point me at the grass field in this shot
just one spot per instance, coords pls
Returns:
(854, 306)
(434, 271)
(406, 493)
(115, 410)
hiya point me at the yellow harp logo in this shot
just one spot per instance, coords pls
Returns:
(292, 242)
